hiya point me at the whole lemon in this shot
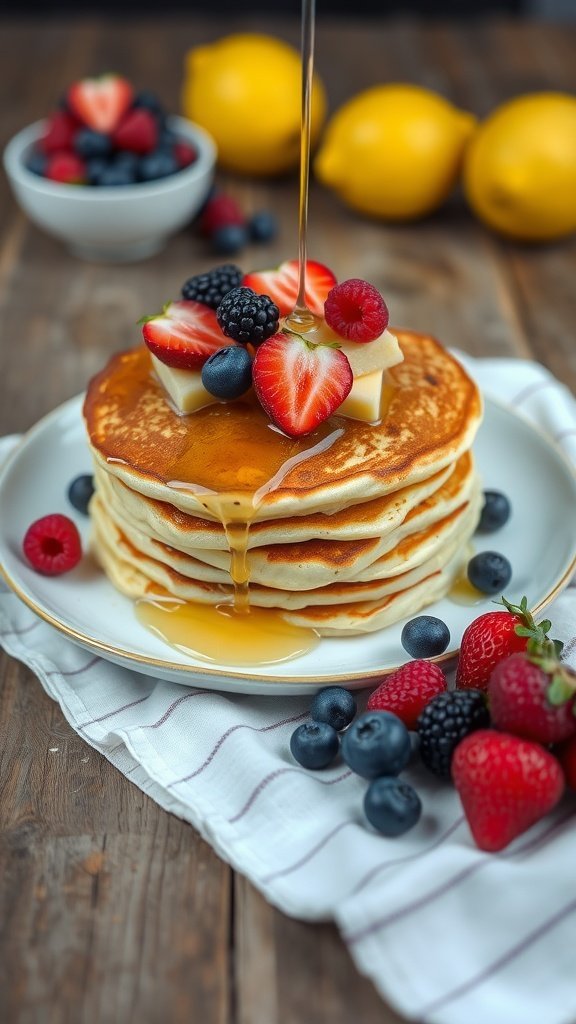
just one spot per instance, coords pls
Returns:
(520, 168)
(394, 151)
(246, 91)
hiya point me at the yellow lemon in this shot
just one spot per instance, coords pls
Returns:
(520, 169)
(246, 91)
(394, 151)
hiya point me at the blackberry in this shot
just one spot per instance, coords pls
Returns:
(444, 723)
(248, 317)
(211, 288)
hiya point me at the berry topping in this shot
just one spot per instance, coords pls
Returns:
(407, 691)
(114, 174)
(489, 572)
(210, 288)
(59, 134)
(52, 545)
(392, 806)
(314, 744)
(220, 211)
(247, 317)
(519, 692)
(137, 132)
(183, 335)
(229, 239)
(157, 165)
(67, 168)
(377, 743)
(185, 154)
(425, 637)
(333, 705)
(495, 512)
(100, 103)
(88, 143)
(506, 784)
(491, 638)
(355, 310)
(282, 285)
(80, 492)
(263, 226)
(445, 722)
(227, 373)
(300, 384)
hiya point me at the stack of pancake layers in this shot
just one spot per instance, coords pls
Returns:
(363, 525)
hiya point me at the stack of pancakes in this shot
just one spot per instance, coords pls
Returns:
(363, 524)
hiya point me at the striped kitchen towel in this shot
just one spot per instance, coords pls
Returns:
(448, 934)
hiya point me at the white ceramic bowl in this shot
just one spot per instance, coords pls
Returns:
(115, 224)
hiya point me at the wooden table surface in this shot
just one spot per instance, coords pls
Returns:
(112, 910)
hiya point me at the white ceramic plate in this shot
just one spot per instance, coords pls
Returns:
(539, 540)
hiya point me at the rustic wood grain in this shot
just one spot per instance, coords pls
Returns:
(110, 909)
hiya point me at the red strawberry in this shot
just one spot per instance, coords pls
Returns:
(220, 211)
(185, 154)
(356, 310)
(506, 784)
(102, 102)
(59, 135)
(66, 168)
(566, 754)
(491, 638)
(137, 132)
(52, 545)
(300, 384)
(518, 692)
(407, 691)
(282, 285)
(184, 335)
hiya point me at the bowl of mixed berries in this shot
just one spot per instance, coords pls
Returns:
(109, 172)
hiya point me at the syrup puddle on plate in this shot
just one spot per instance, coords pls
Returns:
(220, 634)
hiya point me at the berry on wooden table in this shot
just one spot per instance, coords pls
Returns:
(219, 211)
(52, 545)
(229, 239)
(355, 310)
(408, 690)
(263, 226)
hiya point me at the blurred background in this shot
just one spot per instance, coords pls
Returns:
(549, 9)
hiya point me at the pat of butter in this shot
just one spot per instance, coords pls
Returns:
(380, 354)
(184, 387)
(369, 398)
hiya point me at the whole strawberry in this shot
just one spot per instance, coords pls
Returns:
(407, 691)
(519, 691)
(491, 638)
(566, 754)
(506, 784)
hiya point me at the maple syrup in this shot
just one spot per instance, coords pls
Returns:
(462, 591)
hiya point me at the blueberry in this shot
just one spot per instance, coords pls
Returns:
(314, 744)
(80, 491)
(88, 143)
(229, 239)
(495, 513)
(127, 160)
(228, 372)
(36, 163)
(263, 226)
(149, 100)
(116, 174)
(377, 743)
(425, 636)
(392, 806)
(489, 572)
(334, 705)
(158, 164)
(95, 168)
(166, 141)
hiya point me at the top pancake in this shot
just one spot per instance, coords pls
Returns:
(232, 448)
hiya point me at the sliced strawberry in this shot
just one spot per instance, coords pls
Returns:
(67, 168)
(102, 102)
(282, 285)
(137, 132)
(59, 134)
(300, 384)
(184, 335)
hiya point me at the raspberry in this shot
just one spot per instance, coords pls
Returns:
(220, 211)
(445, 722)
(356, 311)
(247, 317)
(407, 691)
(52, 545)
(210, 288)
(185, 154)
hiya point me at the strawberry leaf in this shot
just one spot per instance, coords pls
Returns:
(560, 690)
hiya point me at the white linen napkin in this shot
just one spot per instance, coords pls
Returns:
(448, 934)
